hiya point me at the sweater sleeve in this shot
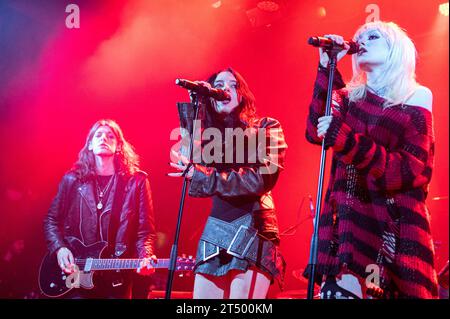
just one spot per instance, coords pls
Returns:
(318, 102)
(407, 166)
(251, 180)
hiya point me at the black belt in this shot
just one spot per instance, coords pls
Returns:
(238, 240)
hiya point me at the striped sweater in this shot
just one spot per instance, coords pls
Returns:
(374, 209)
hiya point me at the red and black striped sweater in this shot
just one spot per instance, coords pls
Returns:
(374, 210)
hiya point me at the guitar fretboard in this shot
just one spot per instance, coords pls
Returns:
(106, 264)
(118, 264)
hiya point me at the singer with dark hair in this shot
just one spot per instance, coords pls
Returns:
(374, 232)
(103, 198)
(238, 254)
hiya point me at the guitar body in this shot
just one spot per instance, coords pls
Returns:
(54, 282)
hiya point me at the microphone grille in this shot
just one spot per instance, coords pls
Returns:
(313, 41)
(354, 47)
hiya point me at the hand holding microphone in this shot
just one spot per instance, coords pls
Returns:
(332, 41)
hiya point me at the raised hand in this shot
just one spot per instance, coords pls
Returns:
(324, 58)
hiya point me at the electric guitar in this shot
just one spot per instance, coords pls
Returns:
(53, 282)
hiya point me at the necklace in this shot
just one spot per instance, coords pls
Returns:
(102, 193)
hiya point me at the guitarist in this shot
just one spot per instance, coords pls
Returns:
(104, 197)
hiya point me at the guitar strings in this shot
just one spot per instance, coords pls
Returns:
(81, 262)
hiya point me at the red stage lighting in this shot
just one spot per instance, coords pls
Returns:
(321, 12)
(269, 6)
(216, 4)
(443, 9)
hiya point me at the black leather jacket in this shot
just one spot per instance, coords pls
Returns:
(73, 214)
(242, 180)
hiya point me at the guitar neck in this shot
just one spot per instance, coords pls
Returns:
(116, 264)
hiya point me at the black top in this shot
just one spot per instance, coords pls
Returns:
(230, 208)
(103, 180)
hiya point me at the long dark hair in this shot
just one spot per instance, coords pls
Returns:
(125, 160)
(246, 108)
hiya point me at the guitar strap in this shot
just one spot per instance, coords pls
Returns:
(117, 205)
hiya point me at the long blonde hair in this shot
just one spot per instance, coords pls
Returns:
(399, 76)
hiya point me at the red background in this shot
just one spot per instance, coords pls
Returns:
(121, 63)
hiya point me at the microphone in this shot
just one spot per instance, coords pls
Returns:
(217, 94)
(330, 44)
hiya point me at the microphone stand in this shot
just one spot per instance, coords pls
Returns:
(174, 250)
(315, 237)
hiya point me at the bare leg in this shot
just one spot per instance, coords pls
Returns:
(252, 284)
(210, 287)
